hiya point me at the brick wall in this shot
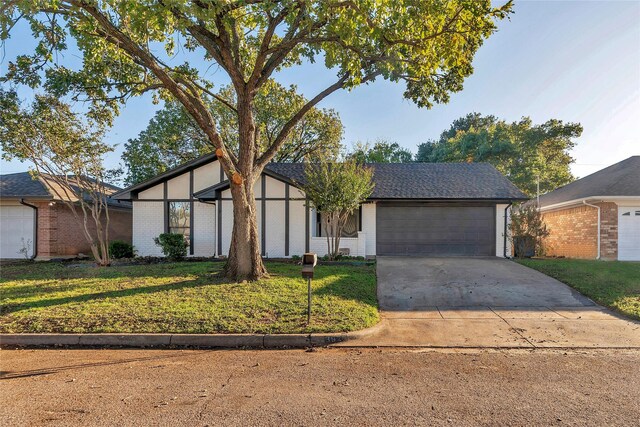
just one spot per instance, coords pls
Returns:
(60, 234)
(608, 230)
(573, 232)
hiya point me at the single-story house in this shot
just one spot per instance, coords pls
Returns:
(33, 219)
(415, 209)
(596, 217)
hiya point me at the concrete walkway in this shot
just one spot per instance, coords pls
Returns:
(486, 302)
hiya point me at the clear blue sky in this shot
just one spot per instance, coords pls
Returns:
(574, 61)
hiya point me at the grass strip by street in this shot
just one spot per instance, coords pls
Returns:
(187, 297)
(613, 284)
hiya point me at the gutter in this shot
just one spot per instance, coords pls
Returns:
(504, 244)
(598, 208)
(35, 227)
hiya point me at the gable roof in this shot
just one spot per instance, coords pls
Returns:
(410, 181)
(22, 185)
(621, 179)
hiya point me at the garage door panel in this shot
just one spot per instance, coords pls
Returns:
(16, 231)
(435, 230)
(629, 233)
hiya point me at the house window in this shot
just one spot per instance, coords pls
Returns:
(626, 214)
(351, 227)
(180, 219)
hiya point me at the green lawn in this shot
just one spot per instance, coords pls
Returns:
(610, 283)
(188, 297)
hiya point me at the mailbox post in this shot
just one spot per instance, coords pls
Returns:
(309, 261)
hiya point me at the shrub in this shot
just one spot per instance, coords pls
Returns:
(173, 245)
(527, 231)
(119, 249)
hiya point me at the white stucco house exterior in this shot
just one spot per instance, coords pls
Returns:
(437, 209)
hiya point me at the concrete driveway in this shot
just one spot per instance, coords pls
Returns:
(486, 302)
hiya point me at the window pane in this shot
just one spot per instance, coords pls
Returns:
(179, 214)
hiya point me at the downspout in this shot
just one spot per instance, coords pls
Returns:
(504, 235)
(598, 208)
(35, 227)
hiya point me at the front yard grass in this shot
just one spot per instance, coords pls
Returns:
(187, 297)
(610, 283)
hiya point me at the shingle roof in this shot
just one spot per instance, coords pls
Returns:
(620, 179)
(427, 181)
(22, 185)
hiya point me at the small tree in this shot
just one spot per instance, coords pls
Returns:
(67, 155)
(336, 191)
(527, 231)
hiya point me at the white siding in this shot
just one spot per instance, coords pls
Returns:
(369, 228)
(296, 225)
(155, 192)
(206, 176)
(178, 187)
(275, 228)
(204, 229)
(227, 226)
(148, 222)
(274, 188)
(500, 231)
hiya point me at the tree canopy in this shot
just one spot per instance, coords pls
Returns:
(173, 137)
(380, 152)
(132, 47)
(521, 150)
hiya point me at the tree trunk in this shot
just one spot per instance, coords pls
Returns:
(245, 260)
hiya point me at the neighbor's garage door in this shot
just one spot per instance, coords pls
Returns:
(629, 233)
(16, 230)
(435, 230)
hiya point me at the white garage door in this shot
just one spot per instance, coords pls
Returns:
(16, 231)
(629, 233)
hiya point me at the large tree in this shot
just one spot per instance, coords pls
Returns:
(173, 137)
(131, 47)
(67, 155)
(380, 152)
(521, 150)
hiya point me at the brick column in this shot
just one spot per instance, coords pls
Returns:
(608, 230)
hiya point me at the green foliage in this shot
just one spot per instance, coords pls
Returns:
(66, 153)
(381, 152)
(527, 230)
(173, 137)
(521, 150)
(119, 249)
(336, 190)
(173, 245)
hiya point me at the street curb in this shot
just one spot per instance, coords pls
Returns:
(176, 340)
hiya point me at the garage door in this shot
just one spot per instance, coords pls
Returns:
(629, 233)
(444, 230)
(16, 230)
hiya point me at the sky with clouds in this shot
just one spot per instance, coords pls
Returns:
(574, 61)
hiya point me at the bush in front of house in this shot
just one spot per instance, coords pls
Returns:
(119, 249)
(173, 245)
(528, 231)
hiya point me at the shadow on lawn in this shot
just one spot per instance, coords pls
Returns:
(42, 303)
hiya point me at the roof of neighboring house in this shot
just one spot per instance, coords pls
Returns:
(414, 181)
(21, 185)
(621, 179)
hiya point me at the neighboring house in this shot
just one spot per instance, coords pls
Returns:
(415, 209)
(596, 217)
(33, 217)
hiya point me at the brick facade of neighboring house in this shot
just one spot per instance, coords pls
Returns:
(573, 232)
(571, 215)
(60, 233)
